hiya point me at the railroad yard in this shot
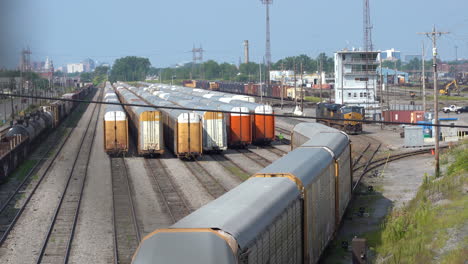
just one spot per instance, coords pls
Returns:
(81, 205)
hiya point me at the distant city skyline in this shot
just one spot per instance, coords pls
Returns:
(165, 32)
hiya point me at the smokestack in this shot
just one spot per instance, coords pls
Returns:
(246, 51)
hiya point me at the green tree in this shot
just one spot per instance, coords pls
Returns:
(86, 76)
(211, 70)
(130, 69)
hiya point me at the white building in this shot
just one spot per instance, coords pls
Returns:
(75, 67)
(356, 78)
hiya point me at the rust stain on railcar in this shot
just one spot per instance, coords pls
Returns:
(189, 138)
(116, 136)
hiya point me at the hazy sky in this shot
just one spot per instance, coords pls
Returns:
(165, 31)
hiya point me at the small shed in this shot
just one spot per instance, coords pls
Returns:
(414, 136)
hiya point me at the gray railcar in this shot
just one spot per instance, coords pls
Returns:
(259, 221)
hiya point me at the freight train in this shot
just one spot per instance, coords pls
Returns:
(262, 121)
(182, 130)
(286, 213)
(19, 140)
(115, 124)
(325, 111)
(145, 122)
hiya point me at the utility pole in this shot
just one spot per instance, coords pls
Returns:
(456, 53)
(320, 78)
(282, 84)
(12, 86)
(261, 86)
(423, 76)
(433, 36)
(295, 84)
(302, 89)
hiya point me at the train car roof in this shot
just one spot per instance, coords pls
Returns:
(245, 211)
(334, 141)
(184, 247)
(309, 129)
(303, 163)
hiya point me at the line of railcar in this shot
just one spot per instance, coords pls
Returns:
(261, 115)
(116, 139)
(145, 122)
(182, 130)
(286, 213)
(20, 139)
(213, 122)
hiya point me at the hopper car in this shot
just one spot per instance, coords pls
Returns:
(285, 213)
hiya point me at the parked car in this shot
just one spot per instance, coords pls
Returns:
(463, 109)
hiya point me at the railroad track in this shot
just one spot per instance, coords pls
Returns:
(126, 230)
(254, 157)
(372, 165)
(231, 166)
(58, 241)
(174, 201)
(286, 132)
(212, 186)
(276, 151)
(9, 212)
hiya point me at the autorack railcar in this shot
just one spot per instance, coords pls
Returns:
(145, 122)
(286, 213)
(116, 139)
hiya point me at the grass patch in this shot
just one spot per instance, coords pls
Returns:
(238, 172)
(417, 232)
(447, 98)
(24, 169)
(312, 99)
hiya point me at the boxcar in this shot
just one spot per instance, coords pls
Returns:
(238, 121)
(214, 123)
(183, 133)
(145, 122)
(115, 125)
(263, 121)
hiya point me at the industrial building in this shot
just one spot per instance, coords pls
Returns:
(356, 78)
(389, 76)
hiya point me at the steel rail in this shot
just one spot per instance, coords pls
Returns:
(360, 156)
(62, 198)
(177, 210)
(33, 191)
(211, 185)
(254, 157)
(75, 220)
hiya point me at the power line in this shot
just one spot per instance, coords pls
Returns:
(433, 36)
(224, 111)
